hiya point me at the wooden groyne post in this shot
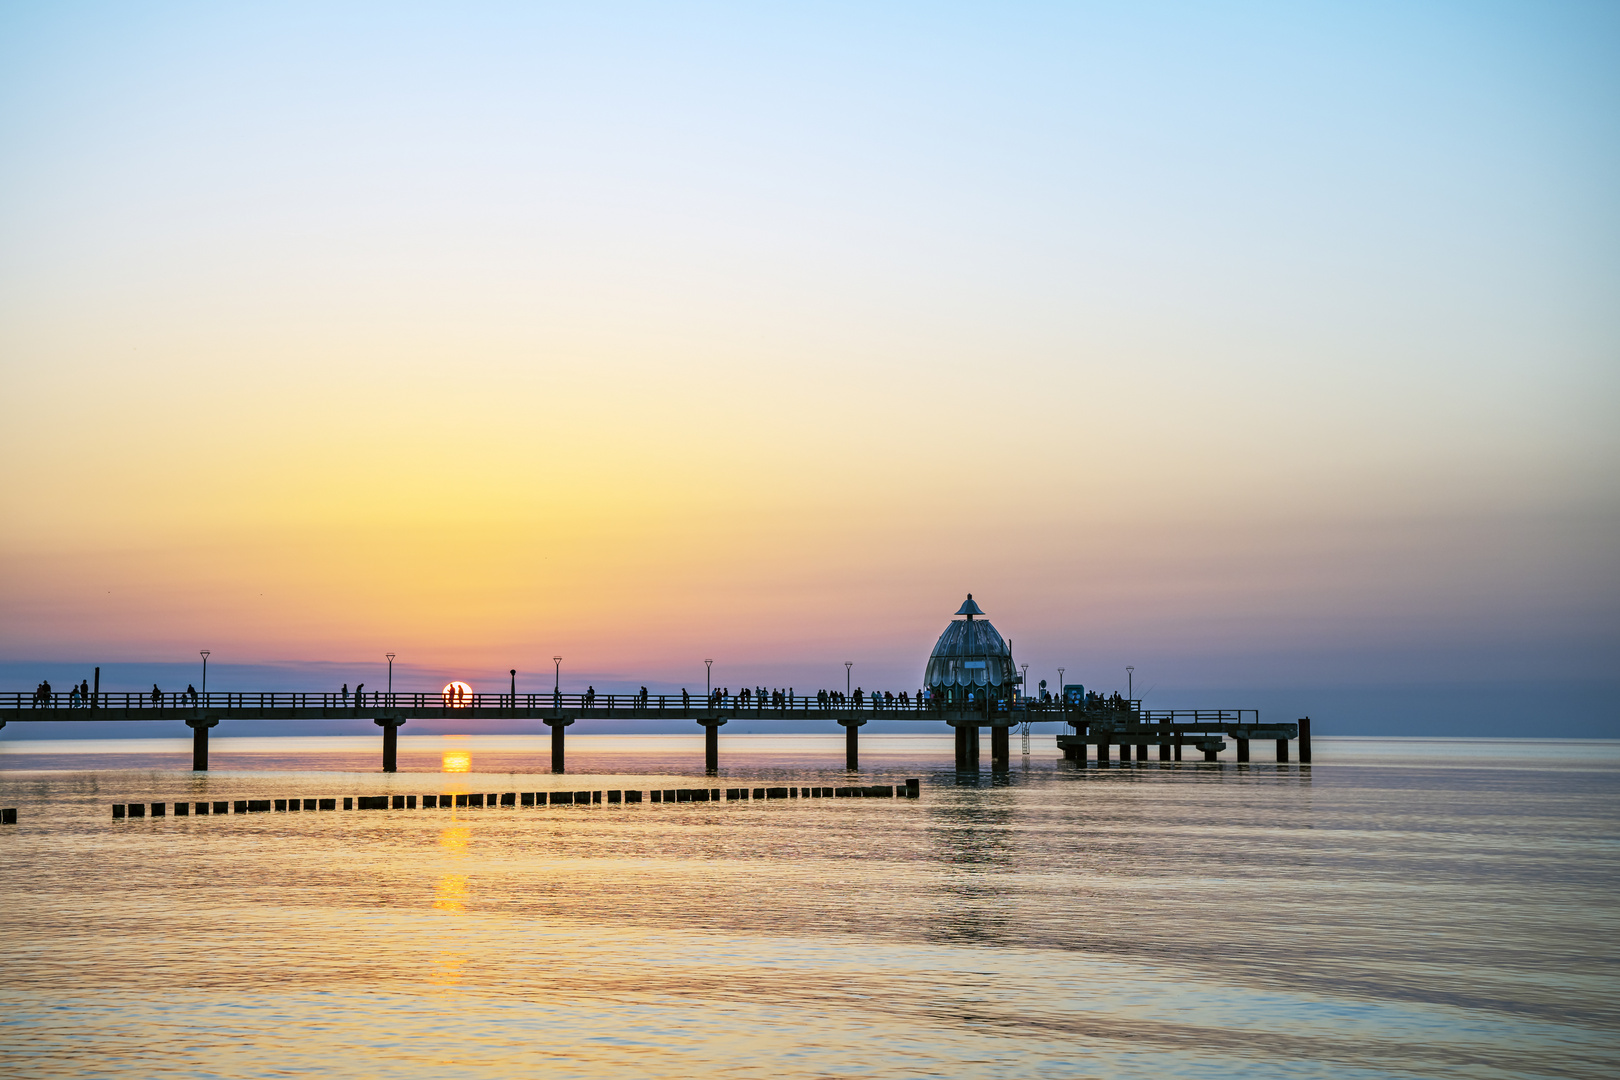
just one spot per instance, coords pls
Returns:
(1304, 740)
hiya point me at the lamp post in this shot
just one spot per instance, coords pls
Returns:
(1060, 683)
(708, 678)
(847, 665)
(1023, 682)
(390, 676)
(1130, 675)
(514, 687)
(556, 687)
(204, 653)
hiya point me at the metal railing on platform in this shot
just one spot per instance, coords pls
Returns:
(159, 704)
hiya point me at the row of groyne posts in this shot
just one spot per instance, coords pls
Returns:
(911, 789)
(1117, 722)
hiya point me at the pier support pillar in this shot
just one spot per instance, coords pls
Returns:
(711, 743)
(967, 744)
(1164, 751)
(1282, 750)
(199, 741)
(1242, 749)
(1000, 749)
(1178, 750)
(1210, 755)
(390, 726)
(1141, 751)
(1102, 753)
(557, 725)
(1304, 740)
(852, 741)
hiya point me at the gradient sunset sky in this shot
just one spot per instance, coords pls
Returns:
(1254, 344)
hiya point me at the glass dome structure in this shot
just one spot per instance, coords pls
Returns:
(971, 657)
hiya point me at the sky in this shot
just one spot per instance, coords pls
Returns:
(1258, 346)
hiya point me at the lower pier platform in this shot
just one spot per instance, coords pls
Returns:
(1170, 738)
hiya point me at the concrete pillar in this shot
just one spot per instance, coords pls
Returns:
(1304, 740)
(1282, 750)
(1000, 750)
(1243, 749)
(1102, 753)
(974, 750)
(1141, 751)
(1178, 750)
(852, 741)
(390, 726)
(711, 743)
(557, 725)
(199, 742)
(1164, 751)
(1209, 755)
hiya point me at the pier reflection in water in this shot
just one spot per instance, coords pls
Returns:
(1364, 917)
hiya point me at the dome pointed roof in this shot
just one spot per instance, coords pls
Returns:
(970, 653)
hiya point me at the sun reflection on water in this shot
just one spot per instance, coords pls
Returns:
(454, 840)
(450, 893)
(457, 761)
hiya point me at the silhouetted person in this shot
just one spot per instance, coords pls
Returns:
(157, 695)
(345, 693)
(357, 689)
(191, 693)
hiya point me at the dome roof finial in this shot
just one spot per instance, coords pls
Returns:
(969, 608)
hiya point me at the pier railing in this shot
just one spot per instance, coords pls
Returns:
(160, 705)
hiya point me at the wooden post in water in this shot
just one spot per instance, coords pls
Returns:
(1000, 749)
(390, 726)
(1243, 749)
(556, 724)
(1304, 740)
(852, 741)
(199, 742)
(1282, 750)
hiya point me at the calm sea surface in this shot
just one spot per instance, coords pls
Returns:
(1403, 908)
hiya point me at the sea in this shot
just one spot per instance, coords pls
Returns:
(1398, 908)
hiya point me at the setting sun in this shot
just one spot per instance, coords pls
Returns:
(457, 695)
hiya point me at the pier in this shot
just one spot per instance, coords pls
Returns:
(1122, 723)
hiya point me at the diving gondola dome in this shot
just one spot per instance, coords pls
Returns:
(970, 653)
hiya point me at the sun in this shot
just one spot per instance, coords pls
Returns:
(458, 695)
